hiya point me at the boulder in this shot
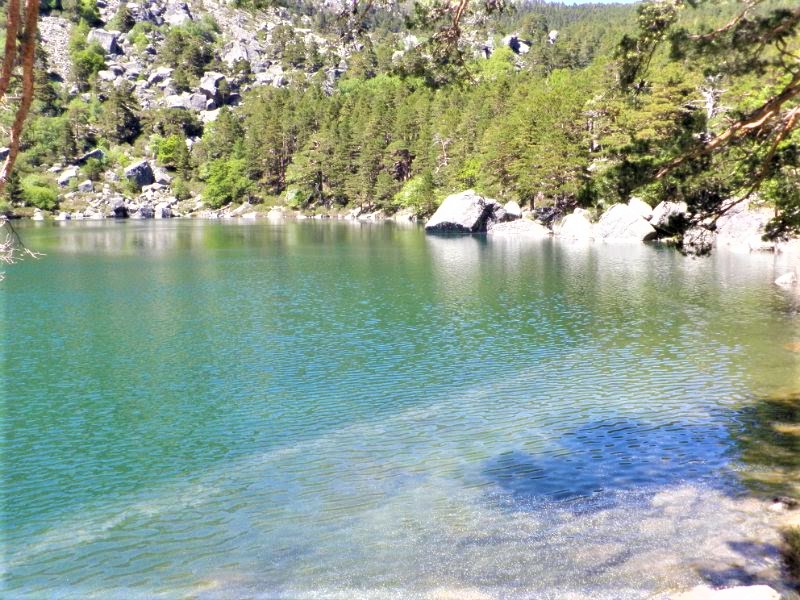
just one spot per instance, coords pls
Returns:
(67, 175)
(466, 212)
(641, 207)
(209, 84)
(519, 227)
(86, 186)
(140, 174)
(670, 218)
(144, 212)
(96, 154)
(161, 176)
(576, 226)
(787, 279)
(744, 592)
(63, 216)
(159, 75)
(743, 230)
(198, 102)
(163, 211)
(177, 101)
(38, 215)
(622, 223)
(106, 75)
(177, 13)
(106, 39)
(697, 240)
(513, 210)
(119, 209)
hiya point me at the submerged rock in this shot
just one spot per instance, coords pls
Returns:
(467, 212)
(787, 279)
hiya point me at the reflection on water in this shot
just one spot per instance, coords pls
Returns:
(339, 411)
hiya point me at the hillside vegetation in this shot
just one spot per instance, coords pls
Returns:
(281, 103)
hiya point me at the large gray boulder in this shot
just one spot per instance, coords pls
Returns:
(623, 223)
(576, 226)
(140, 174)
(209, 84)
(97, 154)
(67, 175)
(670, 217)
(466, 212)
(742, 230)
(119, 208)
(177, 13)
(106, 39)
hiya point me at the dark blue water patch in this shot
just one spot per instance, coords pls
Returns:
(597, 462)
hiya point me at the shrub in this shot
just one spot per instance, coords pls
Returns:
(172, 152)
(226, 181)
(40, 192)
(417, 194)
(88, 62)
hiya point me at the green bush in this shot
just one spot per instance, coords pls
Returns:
(171, 152)
(417, 194)
(40, 192)
(87, 62)
(226, 181)
(93, 169)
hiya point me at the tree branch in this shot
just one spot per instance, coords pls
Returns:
(741, 128)
(10, 56)
(28, 63)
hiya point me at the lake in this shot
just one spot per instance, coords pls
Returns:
(338, 410)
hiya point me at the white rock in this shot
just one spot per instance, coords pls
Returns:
(576, 226)
(85, 186)
(621, 223)
(67, 176)
(787, 279)
(640, 206)
(512, 209)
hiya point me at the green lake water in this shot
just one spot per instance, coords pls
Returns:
(336, 410)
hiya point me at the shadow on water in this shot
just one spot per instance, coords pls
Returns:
(767, 437)
(598, 461)
(755, 449)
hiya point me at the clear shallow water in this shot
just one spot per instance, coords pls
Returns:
(305, 410)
